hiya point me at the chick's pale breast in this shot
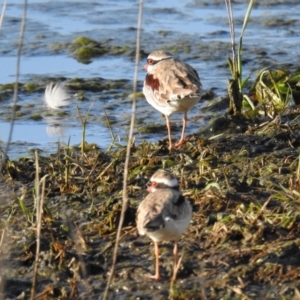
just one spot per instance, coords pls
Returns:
(163, 215)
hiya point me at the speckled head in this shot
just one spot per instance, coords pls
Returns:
(160, 55)
(162, 179)
(155, 57)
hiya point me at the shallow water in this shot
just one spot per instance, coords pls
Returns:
(199, 30)
(61, 65)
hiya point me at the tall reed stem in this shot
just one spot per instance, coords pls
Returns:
(127, 159)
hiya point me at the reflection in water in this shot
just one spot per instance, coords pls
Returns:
(54, 129)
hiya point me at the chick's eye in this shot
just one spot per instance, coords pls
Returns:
(150, 61)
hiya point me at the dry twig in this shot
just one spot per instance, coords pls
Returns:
(16, 87)
(129, 144)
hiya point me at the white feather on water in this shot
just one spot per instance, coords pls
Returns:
(56, 96)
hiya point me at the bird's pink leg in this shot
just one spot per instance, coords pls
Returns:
(175, 253)
(169, 132)
(157, 275)
(182, 140)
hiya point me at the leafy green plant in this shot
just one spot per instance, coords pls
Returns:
(274, 90)
(83, 122)
(26, 211)
(236, 84)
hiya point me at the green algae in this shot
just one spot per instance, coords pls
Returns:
(36, 117)
(30, 87)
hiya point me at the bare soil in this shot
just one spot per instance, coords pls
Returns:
(243, 242)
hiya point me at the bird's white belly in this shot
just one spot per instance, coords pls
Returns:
(172, 231)
(172, 106)
(184, 104)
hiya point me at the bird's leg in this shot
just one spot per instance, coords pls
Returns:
(169, 132)
(175, 253)
(157, 275)
(182, 140)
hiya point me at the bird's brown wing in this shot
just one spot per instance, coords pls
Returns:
(156, 207)
(177, 80)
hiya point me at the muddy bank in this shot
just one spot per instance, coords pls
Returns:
(243, 241)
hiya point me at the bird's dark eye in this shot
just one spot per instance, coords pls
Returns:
(151, 183)
(150, 61)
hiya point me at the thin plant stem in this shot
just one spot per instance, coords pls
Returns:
(113, 138)
(2, 237)
(83, 124)
(1, 265)
(3, 12)
(130, 139)
(39, 207)
(232, 35)
(237, 56)
(246, 20)
(261, 211)
(16, 86)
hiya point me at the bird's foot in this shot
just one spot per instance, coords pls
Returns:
(155, 277)
(179, 144)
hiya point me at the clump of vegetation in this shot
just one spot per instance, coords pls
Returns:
(119, 50)
(272, 90)
(36, 117)
(84, 48)
(236, 84)
(7, 87)
(30, 87)
(151, 128)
